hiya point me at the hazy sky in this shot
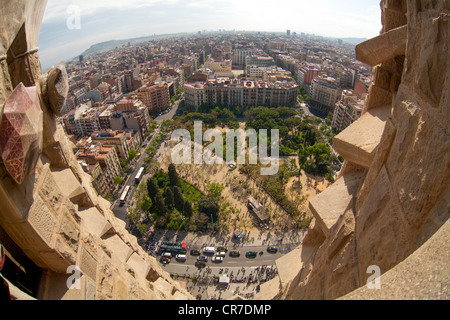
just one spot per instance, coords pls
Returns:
(65, 34)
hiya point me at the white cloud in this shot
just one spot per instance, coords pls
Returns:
(57, 9)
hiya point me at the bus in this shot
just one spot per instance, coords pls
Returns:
(139, 175)
(124, 195)
(176, 248)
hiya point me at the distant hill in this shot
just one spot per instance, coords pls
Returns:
(108, 45)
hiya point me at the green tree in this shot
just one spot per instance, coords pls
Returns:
(152, 188)
(302, 158)
(145, 205)
(159, 204)
(215, 190)
(178, 198)
(173, 176)
(132, 154)
(118, 180)
(187, 209)
(320, 154)
(168, 199)
(142, 228)
(209, 206)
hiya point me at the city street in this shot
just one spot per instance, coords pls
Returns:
(172, 112)
(285, 244)
(119, 210)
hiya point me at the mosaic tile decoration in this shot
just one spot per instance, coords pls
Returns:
(21, 132)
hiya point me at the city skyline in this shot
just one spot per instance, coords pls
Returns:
(100, 21)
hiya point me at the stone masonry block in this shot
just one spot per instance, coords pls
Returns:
(358, 143)
(328, 206)
(384, 47)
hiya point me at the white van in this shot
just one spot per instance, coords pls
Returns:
(209, 250)
(181, 257)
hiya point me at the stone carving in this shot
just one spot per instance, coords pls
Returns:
(21, 132)
(54, 88)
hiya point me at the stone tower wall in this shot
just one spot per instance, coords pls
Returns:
(49, 210)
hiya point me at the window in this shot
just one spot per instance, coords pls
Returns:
(18, 268)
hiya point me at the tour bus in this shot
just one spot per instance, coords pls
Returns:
(176, 248)
(124, 195)
(139, 175)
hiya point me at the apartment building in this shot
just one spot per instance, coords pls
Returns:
(306, 74)
(128, 115)
(156, 97)
(220, 67)
(239, 55)
(325, 91)
(125, 82)
(98, 178)
(101, 162)
(117, 139)
(259, 61)
(348, 109)
(83, 121)
(239, 92)
(272, 73)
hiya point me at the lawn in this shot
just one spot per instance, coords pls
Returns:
(190, 193)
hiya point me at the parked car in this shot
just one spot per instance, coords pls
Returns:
(195, 252)
(165, 260)
(234, 254)
(217, 259)
(221, 254)
(202, 258)
(200, 264)
(181, 257)
(222, 249)
(272, 249)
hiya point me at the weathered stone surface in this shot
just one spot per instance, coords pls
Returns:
(54, 88)
(42, 220)
(384, 47)
(140, 267)
(21, 133)
(425, 275)
(163, 288)
(68, 184)
(393, 14)
(88, 262)
(14, 15)
(380, 158)
(334, 201)
(69, 230)
(94, 222)
(119, 250)
(358, 143)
